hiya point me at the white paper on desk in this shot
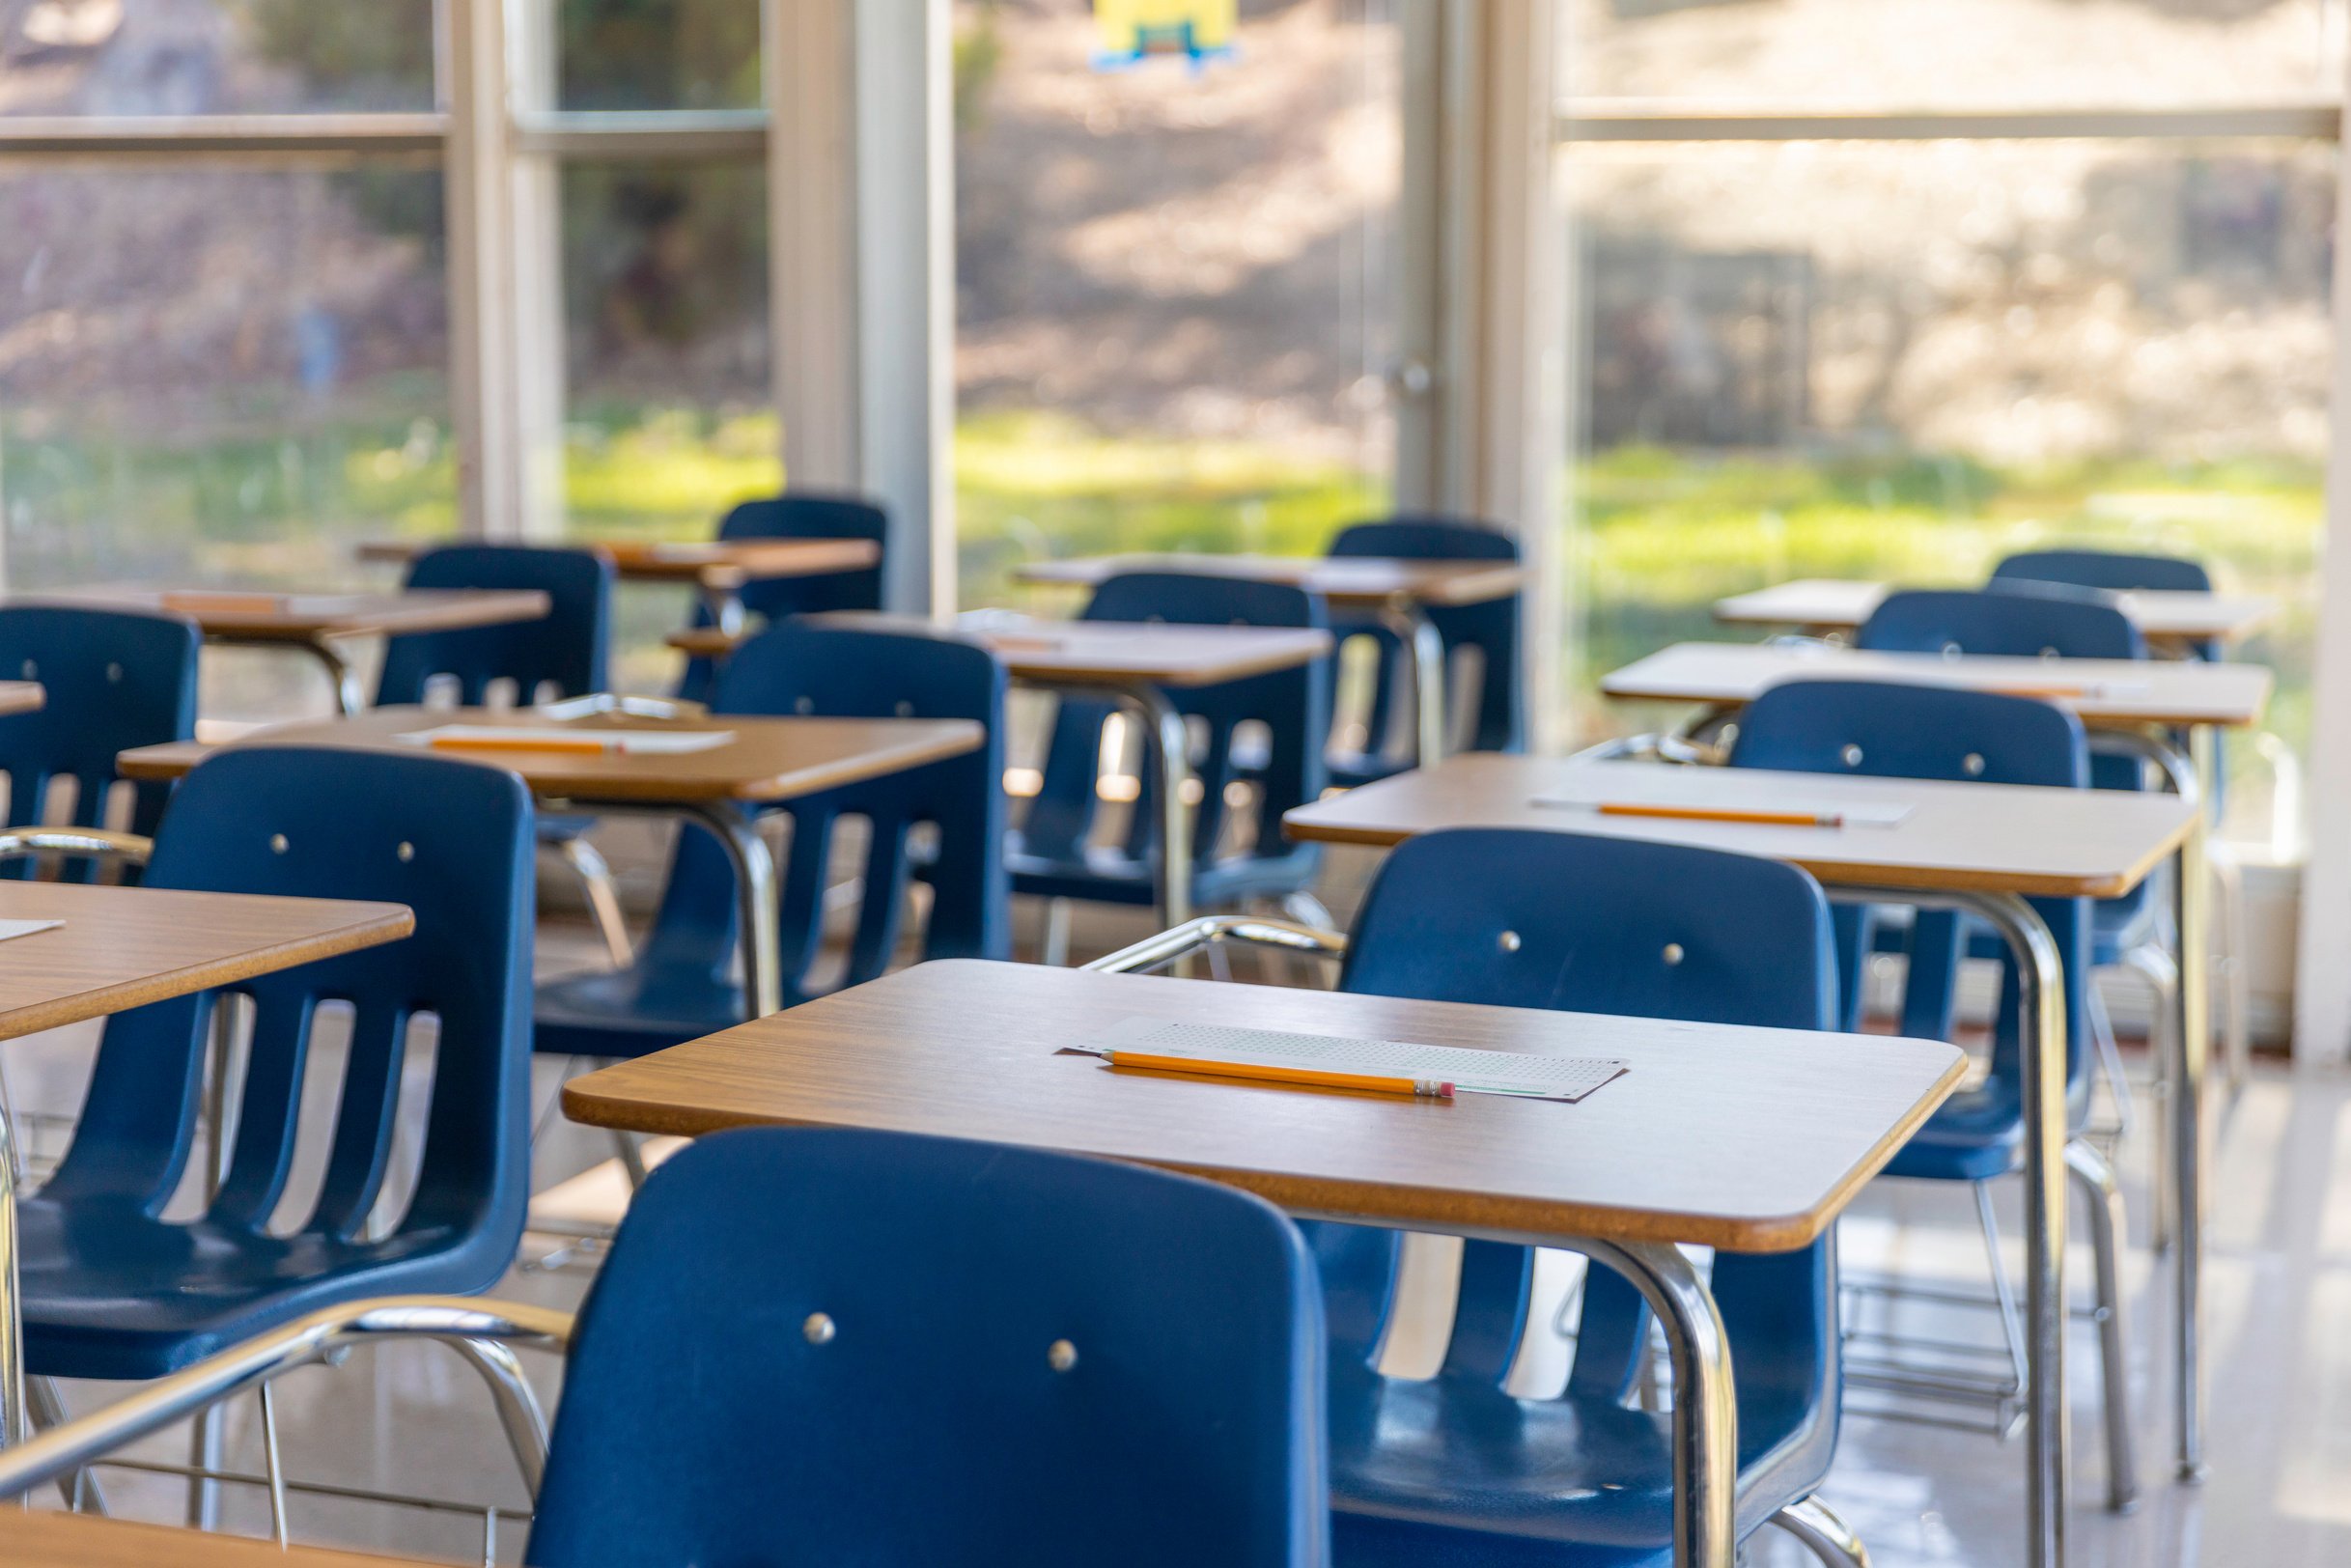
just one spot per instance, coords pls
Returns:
(1835, 814)
(26, 928)
(629, 742)
(1470, 1071)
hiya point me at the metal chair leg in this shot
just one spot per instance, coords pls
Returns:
(1057, 948)
(2234, 943)
(632, 1157)
(1827, 1537)
(272, 1468)
(2011, 1321)
(2102, 1195)
(2110, 1060)
(595, 874)
(2161, 975)
(47, 1408)
(205, 1449)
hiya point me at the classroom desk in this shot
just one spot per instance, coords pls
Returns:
(1135, 663)
(125, 947)
(717, 569)
(1981, 848)
(1400, 592)
(2171, 620)
(315, 624)
(2133, 705)
(45, 1539)
(1777, 1128)
(769, 760)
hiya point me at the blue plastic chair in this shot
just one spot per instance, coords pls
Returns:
(682, 984)
(848, 1347)
(2031, 619)
(2111, 570)
(113, 680)
(1887, 730)
(563, 654)
(1454, 1470)
(2009, 625)
(1053, 854)
(114, 1290)
(1490, 628)
(797, 515)
(565, 650)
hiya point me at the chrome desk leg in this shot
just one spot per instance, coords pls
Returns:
(2101, 1202)
(2041, 987)
(755, 893)
(349, 698)
(1705, 1411)
(1410, 621)
(2190, 892)
(12, 1305)
(2190, 777)
(755, 882)
(1170, 744)
(2042, 994)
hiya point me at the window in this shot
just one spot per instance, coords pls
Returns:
(1901, 354)
(1174, 285)
(199, 57)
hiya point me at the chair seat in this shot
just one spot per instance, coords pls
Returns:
(1459, 1454)
(556, 829)
(1974, 1135)
(1110, 876)
(112, 1292)
(636, 1011)
(1351, 770)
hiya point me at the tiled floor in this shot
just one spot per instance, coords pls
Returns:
(413, 1418)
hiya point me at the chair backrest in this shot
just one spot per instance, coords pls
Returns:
(453, 841)
(112, 681)
(798, 515)
(809, 514)
(1294, 704)
(1491, 627)
(566, 650)
(942, 823)
(1953, 622)
(1883, 729)
(828, 1346)
(1607, 925)
(2111, 570)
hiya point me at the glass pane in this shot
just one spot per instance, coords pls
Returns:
(1174, 285)
(122, 57)
(1954, 54)
(669, 413)
(1906, 360)
(659, 54)
(221, 378)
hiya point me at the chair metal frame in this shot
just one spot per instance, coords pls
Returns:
(482, 1333)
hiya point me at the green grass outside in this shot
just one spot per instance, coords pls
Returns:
(283, 498)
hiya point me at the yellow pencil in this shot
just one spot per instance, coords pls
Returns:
(1423, 1088)
(1779, 819)
(580, 744)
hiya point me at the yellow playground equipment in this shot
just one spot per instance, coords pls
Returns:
(1134, 30)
